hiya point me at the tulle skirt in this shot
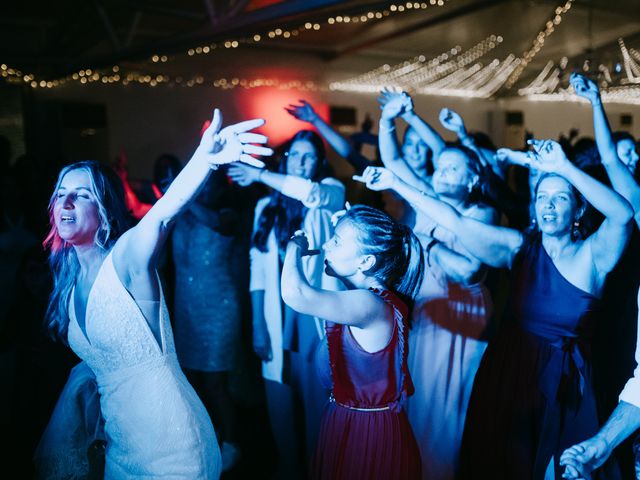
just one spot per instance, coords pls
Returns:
(371, 445)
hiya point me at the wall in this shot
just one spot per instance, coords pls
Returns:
(145, 122)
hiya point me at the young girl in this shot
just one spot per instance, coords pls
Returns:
(364, 433)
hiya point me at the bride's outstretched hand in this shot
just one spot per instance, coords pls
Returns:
(233, 143)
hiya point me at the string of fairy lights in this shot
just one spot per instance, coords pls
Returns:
(538, 42)
(547, 84)
(445, 74)
(120, 74)
(455, 72)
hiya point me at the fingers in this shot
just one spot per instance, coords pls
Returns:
(359, 178)
(249, 160)
(245, 126)
(256, 150)
(216, 122)
(251, 137)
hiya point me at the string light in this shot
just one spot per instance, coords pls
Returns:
(446, 74)
(282, 32)
(631, 67)
(546, 86)
(538, 42)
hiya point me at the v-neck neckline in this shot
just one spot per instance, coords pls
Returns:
(86, 307)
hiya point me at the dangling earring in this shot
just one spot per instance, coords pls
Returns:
(575, 231)
(469, 187)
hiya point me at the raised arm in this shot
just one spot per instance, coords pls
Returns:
(425, 131)
(329, 193)
(393, 105)
(359, 308)
(139, 246)
(621, 178)
(609, 241)
(487, 158)
(305, 113)
(492, 245)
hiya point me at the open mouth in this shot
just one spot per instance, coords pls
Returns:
(549, 218)
(67, 219)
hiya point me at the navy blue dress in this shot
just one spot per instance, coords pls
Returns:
(533, 396)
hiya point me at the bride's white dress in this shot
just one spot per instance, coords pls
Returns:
(155, 424)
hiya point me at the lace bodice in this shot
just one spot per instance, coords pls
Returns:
(117, 333)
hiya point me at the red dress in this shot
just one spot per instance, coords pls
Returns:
(364, 432)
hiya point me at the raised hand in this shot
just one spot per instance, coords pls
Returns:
(585, 87)
(244, 175)
(377, 178)
(582, 459)
(548, 156)
(394, 104)
(452, 121)
(233, 143)
(303, 112)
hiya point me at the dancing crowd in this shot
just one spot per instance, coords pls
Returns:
(473, 316)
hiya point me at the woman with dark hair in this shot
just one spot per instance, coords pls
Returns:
(365, 433)
(303, 197)
(533, 396)
(108, 304)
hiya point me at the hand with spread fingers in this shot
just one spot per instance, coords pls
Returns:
(377, 178)
(585, 87)
(394, 104)
(548, 156)
(233, 143)
(303, 112)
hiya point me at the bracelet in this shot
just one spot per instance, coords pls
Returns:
(427, 250)
(382, 126)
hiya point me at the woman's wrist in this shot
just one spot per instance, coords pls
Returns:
(387, 124)
(409, 116)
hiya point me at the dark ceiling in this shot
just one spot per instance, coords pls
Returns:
(53, 39)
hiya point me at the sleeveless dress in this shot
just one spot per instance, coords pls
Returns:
(155, 425)
(206, 316)
(533, 396)
(446, 345)
(365, 433)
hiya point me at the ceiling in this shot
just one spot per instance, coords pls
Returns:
(54, 39)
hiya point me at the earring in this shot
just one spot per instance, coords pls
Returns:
(576, 223)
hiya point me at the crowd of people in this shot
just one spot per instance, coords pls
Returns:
(473, 316)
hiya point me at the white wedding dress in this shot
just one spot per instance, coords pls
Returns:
(155, 424)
